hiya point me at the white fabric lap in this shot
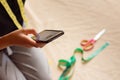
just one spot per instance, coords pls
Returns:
(27, 64)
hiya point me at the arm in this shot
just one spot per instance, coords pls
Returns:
(3, 42)
(19, 38)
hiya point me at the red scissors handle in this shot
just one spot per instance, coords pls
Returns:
(88, 44)
(88, 47)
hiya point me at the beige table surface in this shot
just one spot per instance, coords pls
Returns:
(82, 19)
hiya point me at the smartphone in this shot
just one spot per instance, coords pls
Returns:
(47, 36)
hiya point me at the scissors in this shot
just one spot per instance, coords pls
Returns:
(89, 44)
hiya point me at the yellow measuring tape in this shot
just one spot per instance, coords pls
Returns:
(12, 15)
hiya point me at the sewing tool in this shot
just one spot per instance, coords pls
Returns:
(69, 64)
(89, 44)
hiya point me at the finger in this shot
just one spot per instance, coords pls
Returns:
(30, 31)
(28, 41)
(32, 43)
(40, 44)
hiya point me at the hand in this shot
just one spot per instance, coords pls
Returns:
(20, 38)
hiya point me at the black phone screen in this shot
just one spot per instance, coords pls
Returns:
(49, 35)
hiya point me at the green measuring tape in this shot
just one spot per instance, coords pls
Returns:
(69, 68)
(69, 64)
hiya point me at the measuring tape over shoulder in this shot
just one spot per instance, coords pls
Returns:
(12, 15)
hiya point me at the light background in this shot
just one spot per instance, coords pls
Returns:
(81, 19)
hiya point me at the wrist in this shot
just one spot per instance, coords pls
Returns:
(4, 42)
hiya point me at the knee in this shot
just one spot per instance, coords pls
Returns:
(2, 76)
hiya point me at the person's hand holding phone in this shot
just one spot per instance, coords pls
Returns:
(20, 38)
